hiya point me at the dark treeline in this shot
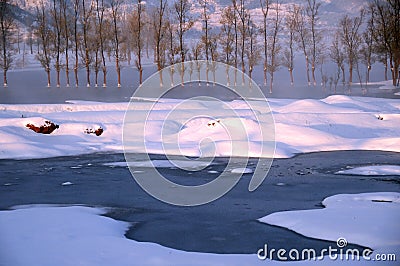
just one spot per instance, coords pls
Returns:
(67, 35)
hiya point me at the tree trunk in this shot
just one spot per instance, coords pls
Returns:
(291, 77)
(343, 75)
(104, 76)
(228, 81)
(313, 72)
(118, 72)
(96, 75)
(67, 69)
(265, 73)
(76, 44)
(58, 75)
(271, 82)
(4, 62)
(88, 76)
(161, 79)
(368, 73)
(76, 76)
(265, 46)
(395, 72)
(350, 73)
(308, 71)
(386, 71)
(48, 78)
(5, 77)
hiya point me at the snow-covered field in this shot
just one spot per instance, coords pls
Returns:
(77, 235)
(333, 123)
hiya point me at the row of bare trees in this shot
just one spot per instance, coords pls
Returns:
(91, 34)
(379, 42)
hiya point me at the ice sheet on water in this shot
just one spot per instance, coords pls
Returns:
(242, 171)
(159, 164)
(372, 170)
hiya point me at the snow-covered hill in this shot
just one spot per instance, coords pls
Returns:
(334, 123)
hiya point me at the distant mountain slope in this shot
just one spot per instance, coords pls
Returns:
(331, 10)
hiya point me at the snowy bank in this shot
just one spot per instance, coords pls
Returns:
(77, 235)
(367, 219)
(334, 123)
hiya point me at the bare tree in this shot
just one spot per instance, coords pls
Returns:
(351, 39)
(86, 14)
(235, 24)
(173, 45)
(214, 54)
(227, 34)
(274, 46)
(206, 29)
(185, 22)
(196, 52)
(6, 27)
(386, 32)
(136, 25)
(367, 55)
(76, 32)
(383, 58)
(253, 53)
(265, 5)
(243, 16)
(95, 47)
(288, 59)
(160, 32)
(337, 55)
(57, 28)
(321, 59)
(100, 8)
(312, 11)
(303, 36)
(65, 34)
(45, 35)
(115, 14)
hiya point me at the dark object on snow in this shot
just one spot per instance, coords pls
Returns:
(98, 131)
(380, 117)
(47, 128)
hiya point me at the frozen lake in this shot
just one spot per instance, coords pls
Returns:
(29, 86)
(228, 225)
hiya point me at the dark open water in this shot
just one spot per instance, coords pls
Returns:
(228, 225)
